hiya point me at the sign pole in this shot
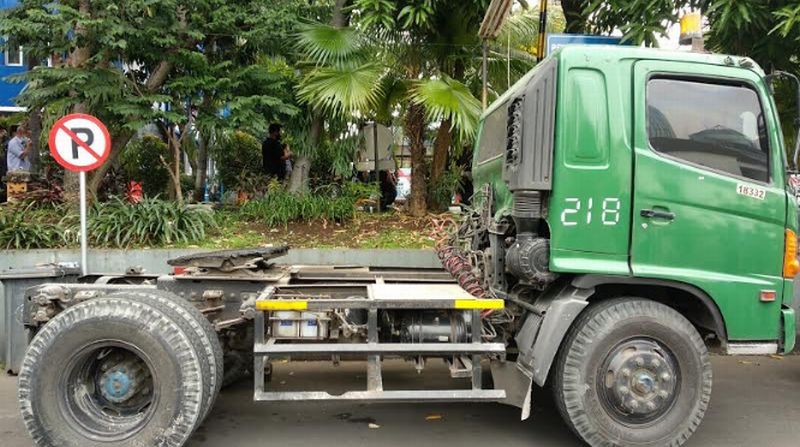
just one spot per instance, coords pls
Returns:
(84, 244)
(80, 143)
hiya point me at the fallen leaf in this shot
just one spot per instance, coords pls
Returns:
(433, 417)
(776, 357)
(745, 362)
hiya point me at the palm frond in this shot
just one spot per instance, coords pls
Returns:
(448, 98)
(325, 44)
(343, 89)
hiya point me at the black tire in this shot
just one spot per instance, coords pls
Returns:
(238, 367)
(632, 372)
(202, 336)
(65, 402)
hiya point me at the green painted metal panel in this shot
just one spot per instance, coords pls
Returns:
(726, 243)
(589, 208)
(789, 329)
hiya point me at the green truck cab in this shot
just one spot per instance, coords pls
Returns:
(636, 203)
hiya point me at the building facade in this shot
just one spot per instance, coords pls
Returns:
(12, 61)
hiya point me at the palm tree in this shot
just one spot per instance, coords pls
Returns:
(372, 72)
(420, 58)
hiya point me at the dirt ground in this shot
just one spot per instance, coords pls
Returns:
(368, 230)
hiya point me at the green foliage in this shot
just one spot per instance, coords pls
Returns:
(142, 163)
(150, 222)
(6, 122)
(25, 228)
(117, 224)
(326, 44)
(343, 89)
(447, 98)
(446, 185)
(197, 56)
(279, 207)
(238, 156)
(640, 21)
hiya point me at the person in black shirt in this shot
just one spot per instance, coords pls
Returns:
(273, 154)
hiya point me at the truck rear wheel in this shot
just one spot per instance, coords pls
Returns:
(111, 371)
(632, 372)
(202, 335)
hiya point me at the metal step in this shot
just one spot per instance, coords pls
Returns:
(279, 350)
(384, 396)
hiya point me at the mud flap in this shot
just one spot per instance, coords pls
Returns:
(517, 381)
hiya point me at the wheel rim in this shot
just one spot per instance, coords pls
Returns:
(639, 381)
(109, 390)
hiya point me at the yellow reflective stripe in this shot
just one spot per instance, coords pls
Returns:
(282, 305)
(479, 304)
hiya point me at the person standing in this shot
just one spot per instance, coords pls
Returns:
(273, 154)
(18, 157)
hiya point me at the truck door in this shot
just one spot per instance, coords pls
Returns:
(709, 203)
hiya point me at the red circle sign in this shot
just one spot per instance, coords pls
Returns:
(79, 142)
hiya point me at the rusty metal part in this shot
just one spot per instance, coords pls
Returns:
(459, 266)
(230, 260)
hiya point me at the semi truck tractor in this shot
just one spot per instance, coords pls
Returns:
(633, 212)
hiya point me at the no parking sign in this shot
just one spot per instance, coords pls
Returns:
(79, 142)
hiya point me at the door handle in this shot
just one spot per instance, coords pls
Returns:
(655, 214)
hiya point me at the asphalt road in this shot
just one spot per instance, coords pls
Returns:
(756, 401)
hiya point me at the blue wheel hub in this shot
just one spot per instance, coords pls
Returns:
(121, 379)
(117, 385)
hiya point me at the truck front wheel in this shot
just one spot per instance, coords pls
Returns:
(632, 372)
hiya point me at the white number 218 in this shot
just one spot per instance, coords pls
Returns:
(609, 214)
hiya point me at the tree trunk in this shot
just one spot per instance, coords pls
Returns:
(118, 143)
(174, 165)
(71, 178)
(415, 132)
(340, 17)
(77, 58)
(200, 168)
(298, 181)
(176, 175)
(441, 149)
(35, 126)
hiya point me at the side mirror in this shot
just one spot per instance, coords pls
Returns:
(770, 79)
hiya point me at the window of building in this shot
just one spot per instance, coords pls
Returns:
(13, 53)
(718, 126)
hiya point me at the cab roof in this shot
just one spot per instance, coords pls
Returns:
(611, 53)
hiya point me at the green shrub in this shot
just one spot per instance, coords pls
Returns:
(141, 161)
(150, 222)
(279, 207)
(238, 155)
(449, 183)
(24, 228)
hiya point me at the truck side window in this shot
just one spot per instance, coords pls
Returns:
(493, 134)
(719, 126)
